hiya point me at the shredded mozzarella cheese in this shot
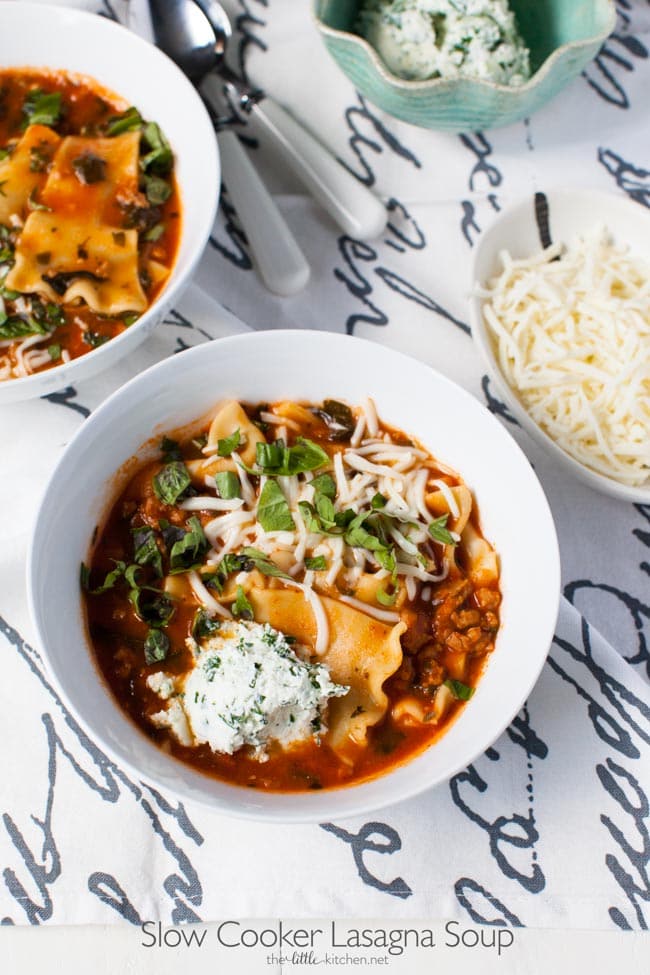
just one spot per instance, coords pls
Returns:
(572, 338)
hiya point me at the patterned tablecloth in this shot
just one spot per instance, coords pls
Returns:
(550, 826)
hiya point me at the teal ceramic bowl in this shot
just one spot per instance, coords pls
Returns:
(562, 35)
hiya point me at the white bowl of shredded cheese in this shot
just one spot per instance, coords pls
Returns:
(561, 314)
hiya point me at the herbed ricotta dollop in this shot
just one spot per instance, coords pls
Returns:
(419, 39)
(247, 686)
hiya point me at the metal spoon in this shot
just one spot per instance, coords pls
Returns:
(354, 208)
(185, 34)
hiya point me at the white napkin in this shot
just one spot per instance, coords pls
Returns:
(549, 827)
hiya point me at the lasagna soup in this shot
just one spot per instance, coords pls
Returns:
(298, 597)
(89, 218)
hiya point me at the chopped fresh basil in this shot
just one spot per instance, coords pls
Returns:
(228, 445)
(270, 455)
(386, 598)
(358, 536)
(310, 518)
(54, 352)
(170, 450)
(39, 158)
(159, 159)
(33, 203)
(109, 581)
(130, 319)
(40, 108)
(339, 418)
(48, 315)
(155, 233)
(131, 576)
(156, 646)
(378, 501)
(15, 327)
(227, 485)
(146, 551)
(128, 121)
(94, 339)
(440, 533)
(187, 553)
(171, 482)
(325, 510)
(263, 563)
(326, 485)
(273, 511)
(241, 606)
(89, 168)
(462, 692)
(278, 460)
(152, 606)
(204, 625)
(157, 190)
(317, 564)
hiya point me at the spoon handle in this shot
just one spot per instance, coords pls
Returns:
(278, 258)
(352, 206)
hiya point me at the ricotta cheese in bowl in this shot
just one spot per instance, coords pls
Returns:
(420, 39)
(247, 686)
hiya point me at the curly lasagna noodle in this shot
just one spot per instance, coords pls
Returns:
(89, 218)
(298, 597)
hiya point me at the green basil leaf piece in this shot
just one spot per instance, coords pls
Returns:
(262, 562)
(462, 692)
(359, 537)
(326, 485)
(273, 511)
(152, 606)
(311, 520)
(131, 576)
(128, 121)
(440, 533)
(317, 564)
(204, 625)
(170, 450)
(325, 511)
(155, 233)
(187, 553)
(278, 460)
(241, 606)
(15, 327)
(270, 455)
(156, 646)
(146, 551)
(94, 339)
(54, 352)
(227, 485)
(228, 445)
(159, 159)
(170, 483)
(386, 598)
(339, 418)
(109, 581)
(157, 190)
(378, 501)
(42, 109)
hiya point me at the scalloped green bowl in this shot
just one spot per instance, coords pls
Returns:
(563, 36)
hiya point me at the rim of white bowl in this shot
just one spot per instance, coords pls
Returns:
(482, 340)
(88, 365)
(430, 84)
(317, 805)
